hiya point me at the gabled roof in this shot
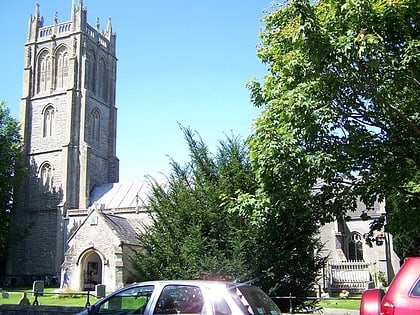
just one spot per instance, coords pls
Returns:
(122, 228)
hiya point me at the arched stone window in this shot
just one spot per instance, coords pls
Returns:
(91, 72)
(355, 246)
(46, 176)
(96, 125)
(49, 121)
(102, 79)
(44, 72)
(62, 68)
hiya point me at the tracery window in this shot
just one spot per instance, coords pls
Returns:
(96, 125)
(44, 72)
(91, 72)
(355, 247)
(62, 68)
(102, 79)
(49, 121)
(46, 176)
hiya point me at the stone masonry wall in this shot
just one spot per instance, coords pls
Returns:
(61, 142)
(97, 236)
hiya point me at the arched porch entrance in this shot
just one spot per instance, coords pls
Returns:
(91, 271)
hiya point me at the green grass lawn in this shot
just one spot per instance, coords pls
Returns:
(68, 298)
(348, 304)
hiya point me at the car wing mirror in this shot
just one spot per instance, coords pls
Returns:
(91, 309)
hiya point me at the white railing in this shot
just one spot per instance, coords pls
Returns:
(55, 29)
(349, 275)
(94, 34)
(67, 27)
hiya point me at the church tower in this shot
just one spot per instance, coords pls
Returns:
(68, 124)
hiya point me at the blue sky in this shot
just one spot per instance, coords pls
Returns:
(179, 62)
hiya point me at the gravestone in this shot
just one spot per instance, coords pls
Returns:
(38, 287)
(100, 290)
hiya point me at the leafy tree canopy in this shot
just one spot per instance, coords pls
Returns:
(341, 110)
(9, 161)
(210, 222)
(194, 236)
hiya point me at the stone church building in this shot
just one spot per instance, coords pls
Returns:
(79, 218)
(76, 219)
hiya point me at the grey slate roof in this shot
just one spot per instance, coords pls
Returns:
(378, 209)
(122, 228)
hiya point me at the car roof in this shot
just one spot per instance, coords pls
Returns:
(201, 283)
(406, 276)
(191, 282)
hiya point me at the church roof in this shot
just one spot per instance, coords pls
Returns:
(377, 210)
(119, 195)
(122, 227)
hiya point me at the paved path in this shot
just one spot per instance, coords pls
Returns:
(331, 311)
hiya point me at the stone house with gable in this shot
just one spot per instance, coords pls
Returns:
(104, 237)
(102, 241)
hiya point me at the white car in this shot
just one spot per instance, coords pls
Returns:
(186, 297)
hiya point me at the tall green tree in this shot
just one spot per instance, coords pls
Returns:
(193, 234)
(211, 221)
(340, 110)
(285, 244)
(9, 170)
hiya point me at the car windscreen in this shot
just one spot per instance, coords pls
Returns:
(415, 291)
(254, 300)
(133, 300)
(180, 299)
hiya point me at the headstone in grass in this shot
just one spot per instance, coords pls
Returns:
(38, 287)
(100, 290)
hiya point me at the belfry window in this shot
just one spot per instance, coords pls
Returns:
(355, 247)
(46, 176)
(44, 72)
(49, 121)
(62, 65)
(102, 79)
(91, 73)
(96, 125)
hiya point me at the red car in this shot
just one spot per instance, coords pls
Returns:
(402, 296)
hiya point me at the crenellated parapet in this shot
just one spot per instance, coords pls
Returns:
(55, 30)
(65, 29)
(38, 33)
